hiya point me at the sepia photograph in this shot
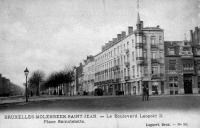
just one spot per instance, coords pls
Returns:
(100, 63)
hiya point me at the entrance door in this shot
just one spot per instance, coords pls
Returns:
(188, 84)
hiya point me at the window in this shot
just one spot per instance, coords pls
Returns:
(171, 51)
(127, 57)
(118, 50)
(172, 64)
(160, 39)
(145, 54)
(144, 39)
(153, 55)
(153, 40)
(122, 74)
(133, 68)
(154, 70)
(145, 71)
(133, 56)
(124, 71)
(132, 43)
(198, 51)
(128, 71)
(187, 66)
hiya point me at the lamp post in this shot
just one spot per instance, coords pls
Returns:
(26, 74)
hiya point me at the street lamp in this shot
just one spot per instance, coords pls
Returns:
(26, 74)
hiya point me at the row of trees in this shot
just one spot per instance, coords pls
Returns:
(38, 82)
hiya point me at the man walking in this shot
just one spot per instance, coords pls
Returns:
(147, 93)
(144, 93)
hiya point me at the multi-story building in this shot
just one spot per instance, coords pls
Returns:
(88, 75)
(129, 62)
(182, 62)
(7, 88)
(78, 73)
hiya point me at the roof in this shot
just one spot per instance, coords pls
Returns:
(152, 29)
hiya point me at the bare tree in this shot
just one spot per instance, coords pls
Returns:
(64, 77)
(35, 79)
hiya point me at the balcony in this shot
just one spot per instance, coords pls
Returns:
(127, 64)
(155, 76)
(139, 45)
(126, 78)
(139, 60)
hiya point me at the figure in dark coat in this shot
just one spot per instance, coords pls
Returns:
(147, 94)
(144, 93)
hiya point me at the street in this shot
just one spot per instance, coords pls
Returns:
(106, 103)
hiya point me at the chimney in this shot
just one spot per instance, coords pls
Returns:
(114, 40)
(130, 30)
(123, 34)
(119, 37)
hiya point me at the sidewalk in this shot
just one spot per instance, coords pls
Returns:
(43, 98)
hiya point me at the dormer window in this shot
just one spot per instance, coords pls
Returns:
(171, 51)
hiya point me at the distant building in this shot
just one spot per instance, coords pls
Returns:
(78, 73)
(195, 36)
(89, 75)
(7, 88)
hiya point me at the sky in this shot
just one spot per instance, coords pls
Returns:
(49, 35)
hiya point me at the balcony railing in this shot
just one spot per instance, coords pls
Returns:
(186, 54)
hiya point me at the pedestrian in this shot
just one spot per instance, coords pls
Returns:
(144, 93)
(147, 93)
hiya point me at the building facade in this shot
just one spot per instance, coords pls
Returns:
(88, 75)
(131, 61)
(78, 80)
(182, 60)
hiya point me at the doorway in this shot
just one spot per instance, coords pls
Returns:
(188, 84)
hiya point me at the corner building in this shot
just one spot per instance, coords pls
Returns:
(131, 61)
